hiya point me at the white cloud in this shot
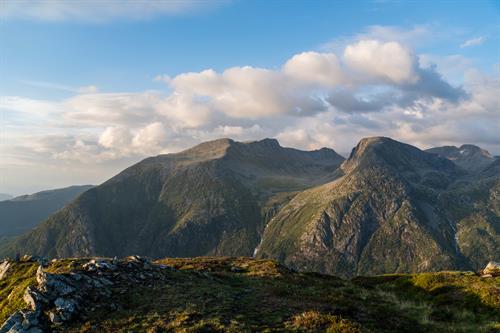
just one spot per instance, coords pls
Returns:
(111, 108)
(88, 90)
(321, 69)
(99, 11)
(473, 42)
(115, 137)
(150, 139)
(388, 61)
(247, 92)
(314, 100)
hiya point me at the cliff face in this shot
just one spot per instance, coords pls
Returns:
(391, 211)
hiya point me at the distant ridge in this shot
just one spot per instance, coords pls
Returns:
(468, 157)
(22, 213)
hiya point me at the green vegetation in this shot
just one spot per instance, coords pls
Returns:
(23, 213)
(224, 294)
(12, 287)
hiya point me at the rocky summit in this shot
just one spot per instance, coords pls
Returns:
(227, 294)
(388, 208)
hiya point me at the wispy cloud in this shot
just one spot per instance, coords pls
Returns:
(97, 11)
(473, 42)
(409, 36)
(55, 86)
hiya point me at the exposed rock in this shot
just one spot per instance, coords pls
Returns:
(22, 322)
(65, 307)
(4, 267)
(96, 264)
(33, 298)
(31, 258)
(492, 269)
(15, 320)
(60, 298)
(57, 283)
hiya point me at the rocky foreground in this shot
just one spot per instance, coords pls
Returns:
(236, 295)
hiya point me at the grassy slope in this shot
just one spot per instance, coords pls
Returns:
(241, 294)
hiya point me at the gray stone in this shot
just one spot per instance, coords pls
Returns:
(66, 306)
(57, 283)
(11, 322)
(33, 298)
(96, 264)
(4, 267)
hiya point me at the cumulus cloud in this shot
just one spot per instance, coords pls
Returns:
(473, 42)
(115, 137)
(247, 92)
(315, 99)
(98, 11)
(388, 61)
(321, 69)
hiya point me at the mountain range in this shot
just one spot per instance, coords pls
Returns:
(390, 207)
(22, 213)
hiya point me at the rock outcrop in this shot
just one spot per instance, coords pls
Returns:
(59, 298)
(491, 270)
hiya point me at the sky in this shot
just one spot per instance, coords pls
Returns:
(87, 88)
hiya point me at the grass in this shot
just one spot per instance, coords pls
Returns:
(226, 294)
(12, 287)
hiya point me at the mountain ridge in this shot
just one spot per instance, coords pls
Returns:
(390, 207)
(22, 213)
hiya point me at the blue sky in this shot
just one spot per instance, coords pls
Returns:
(126, 54)
(81, 84)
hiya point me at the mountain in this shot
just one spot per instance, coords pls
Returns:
(212, 199)
(5, 196)
(394, 209)
(226, 294)
(389, 208)
(468, 157)
(22, 213)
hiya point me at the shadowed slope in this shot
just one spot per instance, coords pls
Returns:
(205, 200)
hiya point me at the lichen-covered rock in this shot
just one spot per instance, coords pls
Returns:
(33, 298)
(66, 308)
(58, 284)
(22, 322)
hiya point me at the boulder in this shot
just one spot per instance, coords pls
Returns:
(58, 284)
(65, 307)
(493, 269)
(21, 322)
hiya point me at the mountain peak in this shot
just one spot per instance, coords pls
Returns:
(469, 157)
(383, 151)
(269, 142)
